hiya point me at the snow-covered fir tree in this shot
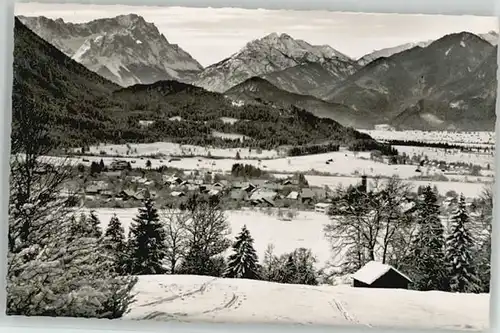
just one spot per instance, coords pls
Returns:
(426, 260)
(243, 263)
(95, 224)
(459, 247)
(289, 272)
(146, 243)
(54, 267)
(114, 240)
(67, 274)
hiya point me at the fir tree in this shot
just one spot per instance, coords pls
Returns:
(102, 167)
(146, 244)
(243, 263)
(114, 240)
(80, 226)
(54, 267)
(95, 225)
(67, 274)
(427, 254)
(290, 271)
(459, 245)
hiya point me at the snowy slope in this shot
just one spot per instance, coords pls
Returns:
(195, 298)
(125, 49)
(274, 52)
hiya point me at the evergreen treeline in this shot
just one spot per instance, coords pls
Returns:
(441, 145)
(192, 240)
(246, 170)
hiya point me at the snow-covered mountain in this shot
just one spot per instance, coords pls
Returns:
(125, 49)
(491, 37)
(387, 52)
(272, 53)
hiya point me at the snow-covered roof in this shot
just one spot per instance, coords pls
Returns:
(373, 270)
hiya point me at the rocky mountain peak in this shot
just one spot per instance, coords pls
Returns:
(125, 49)
(271, 53)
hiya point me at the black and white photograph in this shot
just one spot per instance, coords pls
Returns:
(230, 165)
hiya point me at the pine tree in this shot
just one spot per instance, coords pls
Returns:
(80, 226)
(428, 248)
(146, 244)
(290, 271)
(95, 225)
(114, 240)
(459, 246)
(243, 263)
(102, 167)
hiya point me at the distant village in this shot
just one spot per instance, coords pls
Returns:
(119, 185)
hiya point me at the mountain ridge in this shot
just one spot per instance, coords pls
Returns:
(98, 45)
(257, 89)
(271, 53)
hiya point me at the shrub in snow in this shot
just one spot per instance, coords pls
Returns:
(296, 267)
(206, 235)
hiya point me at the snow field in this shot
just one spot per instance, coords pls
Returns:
(472, 190)
(463, 138)
(453, 156)
(207, 299)
(344, 163)
(169, 148)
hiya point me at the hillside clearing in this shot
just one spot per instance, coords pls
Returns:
(195, 298)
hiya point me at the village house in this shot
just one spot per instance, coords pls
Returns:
(214, 193)
(171, 180)
(273, 186)
(290, 182)
(322, 207)
(126, 194)
(377, 275)
(238, 195)
(306, 196)
(294, 195)
(119, 165)
(107, 194)
(261, 196)
(112, 174)
(245, 186)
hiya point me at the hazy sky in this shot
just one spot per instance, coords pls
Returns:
(212, 34)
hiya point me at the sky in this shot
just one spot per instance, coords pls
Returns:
(212, 34)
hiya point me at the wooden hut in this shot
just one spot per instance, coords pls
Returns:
(377, 275)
